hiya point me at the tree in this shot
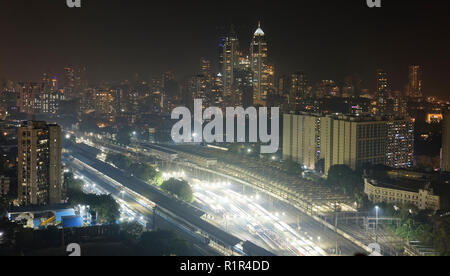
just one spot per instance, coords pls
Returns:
(180, 188)
(144, 172)
(164, 243)
(124, 136)
(132, 232)
(159, 180)
(120, 161)
(104, 206)
(345, 179)
(292, 168)
(71, 183)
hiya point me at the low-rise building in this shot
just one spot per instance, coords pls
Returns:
(396, 192)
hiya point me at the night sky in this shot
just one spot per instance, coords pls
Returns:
(327, 39)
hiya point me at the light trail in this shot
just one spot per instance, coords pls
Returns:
(245, 217)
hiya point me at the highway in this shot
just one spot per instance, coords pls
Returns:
(245, 217)
(279, 229)
(185, 214)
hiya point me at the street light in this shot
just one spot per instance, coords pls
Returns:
(376, 223)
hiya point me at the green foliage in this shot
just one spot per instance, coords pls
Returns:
(124, 136)
(119, 160)
(292, 168)
(441, 236)
(164, 243)
(142, 171)
(180, 188)
(71, 183)
(159, 179)
(104, 206)
(420, 226)
(131, 232)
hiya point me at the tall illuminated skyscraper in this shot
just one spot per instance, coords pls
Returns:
(259, 66)
(69, 82)
(415, 81)
(230, 61)
(382, 93)
(297, 90)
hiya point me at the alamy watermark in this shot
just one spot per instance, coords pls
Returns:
(214, 130)
(77, 3)
(374, 3)
(73, 3)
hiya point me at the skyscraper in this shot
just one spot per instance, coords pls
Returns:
(231, 61)
(446, 142)
(39, 164)
(69, 82)
(75, 80)
(382, 94)
(414, 89)
(259, 66)
(400, 143)
(297, 90)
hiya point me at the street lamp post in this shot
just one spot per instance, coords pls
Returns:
(376, 223)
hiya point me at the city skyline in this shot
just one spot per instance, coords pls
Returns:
(115, 40)
(202, 128)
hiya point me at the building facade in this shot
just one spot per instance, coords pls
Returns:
(400, 144)
(231, 56)
(446, 142)
(302, 139)
(379, 192)
(5, 183)
(39, 164)
(347, 140)
(415, 81)
(259, 66)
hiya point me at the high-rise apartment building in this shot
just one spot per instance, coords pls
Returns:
(297, 90)
(346, 140)
(400, 143)
(302, 138)
(39, 164)
(415, 81)
(382, 93)
(231, 56)
(446, 142)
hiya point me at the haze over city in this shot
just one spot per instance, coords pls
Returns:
(325, 39)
